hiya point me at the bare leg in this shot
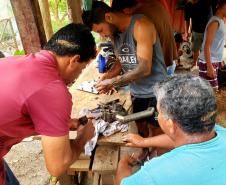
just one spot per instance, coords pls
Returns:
(143, 129)
(195, 57)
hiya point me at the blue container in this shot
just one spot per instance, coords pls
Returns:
(101, 64)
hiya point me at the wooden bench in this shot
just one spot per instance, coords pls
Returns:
(105, 165)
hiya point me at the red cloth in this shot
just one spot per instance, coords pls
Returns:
(33, 99)
(177, 16)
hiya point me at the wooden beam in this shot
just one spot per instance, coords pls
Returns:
(29, 22)
(74, 11)
(106, 159)
(44, 7)
(79, 166)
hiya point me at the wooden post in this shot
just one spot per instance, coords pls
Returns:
(44, 7)
(29, 22)
(74, 11)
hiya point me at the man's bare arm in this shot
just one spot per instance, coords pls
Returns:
(139, 72)
(211, 31)
(114, 71)
(160, 141)
(145, 36)
(124, 169)
(60, 152)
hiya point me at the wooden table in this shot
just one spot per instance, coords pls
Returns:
(107, 153)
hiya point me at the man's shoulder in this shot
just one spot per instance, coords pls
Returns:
(143, 20)
(143, 25)
(164, 160)
(220, 131)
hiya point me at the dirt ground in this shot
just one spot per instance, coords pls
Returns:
(27, 162)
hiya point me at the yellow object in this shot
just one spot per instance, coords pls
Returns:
(53, 180)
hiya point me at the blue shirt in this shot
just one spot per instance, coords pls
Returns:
(192, 164)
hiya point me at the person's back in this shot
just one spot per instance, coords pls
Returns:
(196, 164)
(187, 111)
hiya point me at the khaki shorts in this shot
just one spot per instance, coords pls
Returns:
(197, 39)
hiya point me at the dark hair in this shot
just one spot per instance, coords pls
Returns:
(221, 3)
(96, 15)
(71, 40)
(188, 100)
(178, 37)
(120, 5)
(2, 55)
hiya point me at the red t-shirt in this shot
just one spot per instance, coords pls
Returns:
(33, 99)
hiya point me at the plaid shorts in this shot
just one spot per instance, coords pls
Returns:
(203, 72)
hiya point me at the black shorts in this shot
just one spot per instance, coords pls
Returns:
(141, 104)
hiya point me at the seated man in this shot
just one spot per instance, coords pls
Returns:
(187, 114)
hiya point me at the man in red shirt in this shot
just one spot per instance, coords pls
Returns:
(34, 99)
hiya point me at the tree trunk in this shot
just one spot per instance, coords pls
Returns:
(74, 11)
(44, 7)
(29, 22)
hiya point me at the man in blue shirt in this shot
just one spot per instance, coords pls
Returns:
(187, 114)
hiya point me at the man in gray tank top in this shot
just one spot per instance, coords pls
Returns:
(140, 56)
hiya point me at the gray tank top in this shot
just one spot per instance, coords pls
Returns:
(217, 47)
(125, 47)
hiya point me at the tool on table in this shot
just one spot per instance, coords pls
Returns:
(108, 111)
(135, 116)
(114, 111)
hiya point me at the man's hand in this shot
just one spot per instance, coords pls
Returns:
(86, 132)
(133, 140)
(73, 124)
(124, 168)
(211, 71)
(104, 86)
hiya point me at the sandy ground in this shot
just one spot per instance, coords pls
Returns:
(27, 162)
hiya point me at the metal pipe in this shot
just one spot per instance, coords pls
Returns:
(135, 116)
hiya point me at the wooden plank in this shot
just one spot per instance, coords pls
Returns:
(83, 100)
(106, 159)
(83, 156)
(79, 166)
(116, 139)
(66, 179)
(74, 11)
(44, 7)
(96, 179)
(108, 179)
(113, 140)
(87, 100)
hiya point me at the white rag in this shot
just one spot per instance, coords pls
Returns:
(101, 127)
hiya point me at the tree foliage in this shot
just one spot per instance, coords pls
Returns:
(59, 13)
